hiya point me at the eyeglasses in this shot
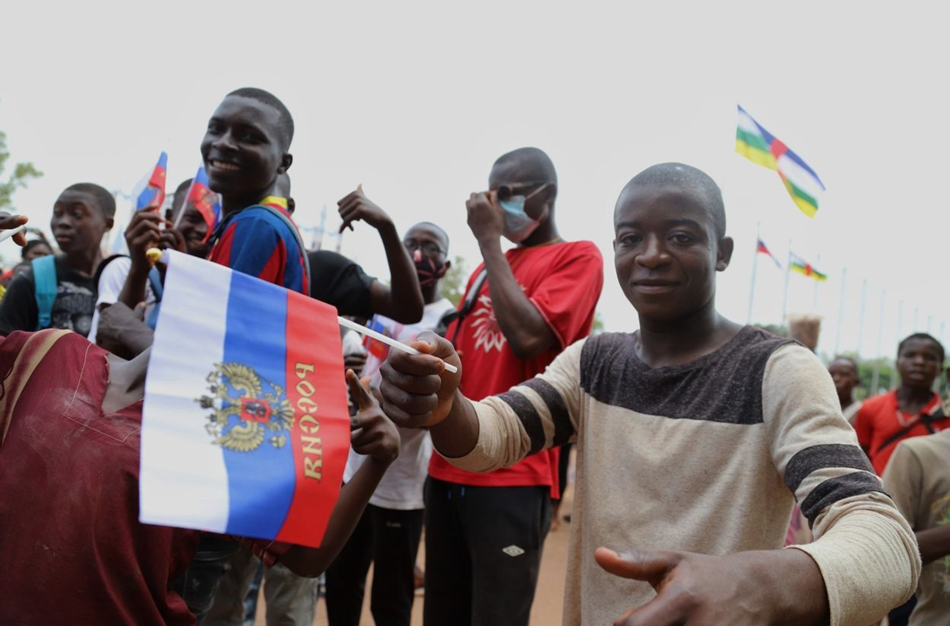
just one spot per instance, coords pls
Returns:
(517, 189)
(428, 248)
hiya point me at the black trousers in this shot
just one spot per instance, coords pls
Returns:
(390, 540)
(483, 553)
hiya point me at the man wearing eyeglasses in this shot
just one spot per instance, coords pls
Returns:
(389, 531)
(522, 307)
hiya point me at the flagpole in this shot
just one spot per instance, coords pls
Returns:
(788, 269)
(900, 329)
(755, 263)
(876, 378)
(844, 281)
(864, 298)
(814, 302)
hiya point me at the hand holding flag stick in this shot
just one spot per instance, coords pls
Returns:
(12, 233)
(386, 340)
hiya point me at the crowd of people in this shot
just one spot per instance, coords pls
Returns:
(696, 438)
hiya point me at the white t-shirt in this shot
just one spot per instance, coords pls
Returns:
(401, 486)
(111, 282)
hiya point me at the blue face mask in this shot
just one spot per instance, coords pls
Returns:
(518, 224)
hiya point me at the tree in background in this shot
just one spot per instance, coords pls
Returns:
(455, 280)
(22, 172)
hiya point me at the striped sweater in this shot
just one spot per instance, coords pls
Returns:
(705, 457)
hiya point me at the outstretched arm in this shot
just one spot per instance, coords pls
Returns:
(401, 301)
(374, 436)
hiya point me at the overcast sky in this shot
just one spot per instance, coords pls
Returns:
(416, 100)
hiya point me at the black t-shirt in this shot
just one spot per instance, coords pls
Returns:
(72, 309)
(336, 280)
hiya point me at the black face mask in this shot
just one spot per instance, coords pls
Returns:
(428, 270)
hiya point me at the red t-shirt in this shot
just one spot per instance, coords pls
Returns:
(563, 281)
(73, 548)
(879, 419)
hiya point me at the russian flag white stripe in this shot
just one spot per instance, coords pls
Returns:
(173, 423)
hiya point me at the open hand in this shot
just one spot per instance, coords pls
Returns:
(9, 222)
(356, 206)
(738, 589)
(485, 217)
(417, 391)
(373, 434)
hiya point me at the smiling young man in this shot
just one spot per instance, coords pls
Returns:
(82, 214)
(245, 151)
(695, 436)
(885, 420)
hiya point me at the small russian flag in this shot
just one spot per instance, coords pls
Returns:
(204, 200)
(245, 428)
(149, 194)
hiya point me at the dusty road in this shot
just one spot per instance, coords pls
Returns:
(546, 610)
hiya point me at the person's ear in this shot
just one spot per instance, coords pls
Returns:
(724, 249)
(110, 222)
(285, 162)
(448, 264)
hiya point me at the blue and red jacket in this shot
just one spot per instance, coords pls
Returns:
(256, 242)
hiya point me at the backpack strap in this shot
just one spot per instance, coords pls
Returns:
(926, 420)
(44, 289)
(470, 297)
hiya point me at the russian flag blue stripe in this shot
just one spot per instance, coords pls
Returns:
(260, 481)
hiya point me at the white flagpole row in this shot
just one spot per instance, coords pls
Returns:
(389, 341)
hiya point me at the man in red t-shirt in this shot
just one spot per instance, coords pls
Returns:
(885, 420)
(485, 532)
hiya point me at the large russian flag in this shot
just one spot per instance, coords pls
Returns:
(245, 428)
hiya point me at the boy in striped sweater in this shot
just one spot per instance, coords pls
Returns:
(695, 437)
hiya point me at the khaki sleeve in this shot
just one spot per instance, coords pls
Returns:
(864, 548)
(535, 415)
(903, 478)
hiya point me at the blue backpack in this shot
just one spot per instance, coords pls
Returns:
(44, 289)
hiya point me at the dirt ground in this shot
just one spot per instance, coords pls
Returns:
(546, 610)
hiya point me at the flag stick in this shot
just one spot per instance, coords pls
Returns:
(814, 303)
(389, 341)
(875, 380)
(9, 233)
(844, 282)
(900, 329)
(755, 263)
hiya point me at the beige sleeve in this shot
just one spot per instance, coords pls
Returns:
(535, 415)
(864, 548)
(903, 479)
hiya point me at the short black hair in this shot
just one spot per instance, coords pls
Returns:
(285, 121)
(434, 227)
(532, 163)
(686, 177)
(32, 243)
(183, 186)
(922, 337)
(103, 199)
(842, 357)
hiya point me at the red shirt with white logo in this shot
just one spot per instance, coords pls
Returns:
(880, 418)
(563, 281)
